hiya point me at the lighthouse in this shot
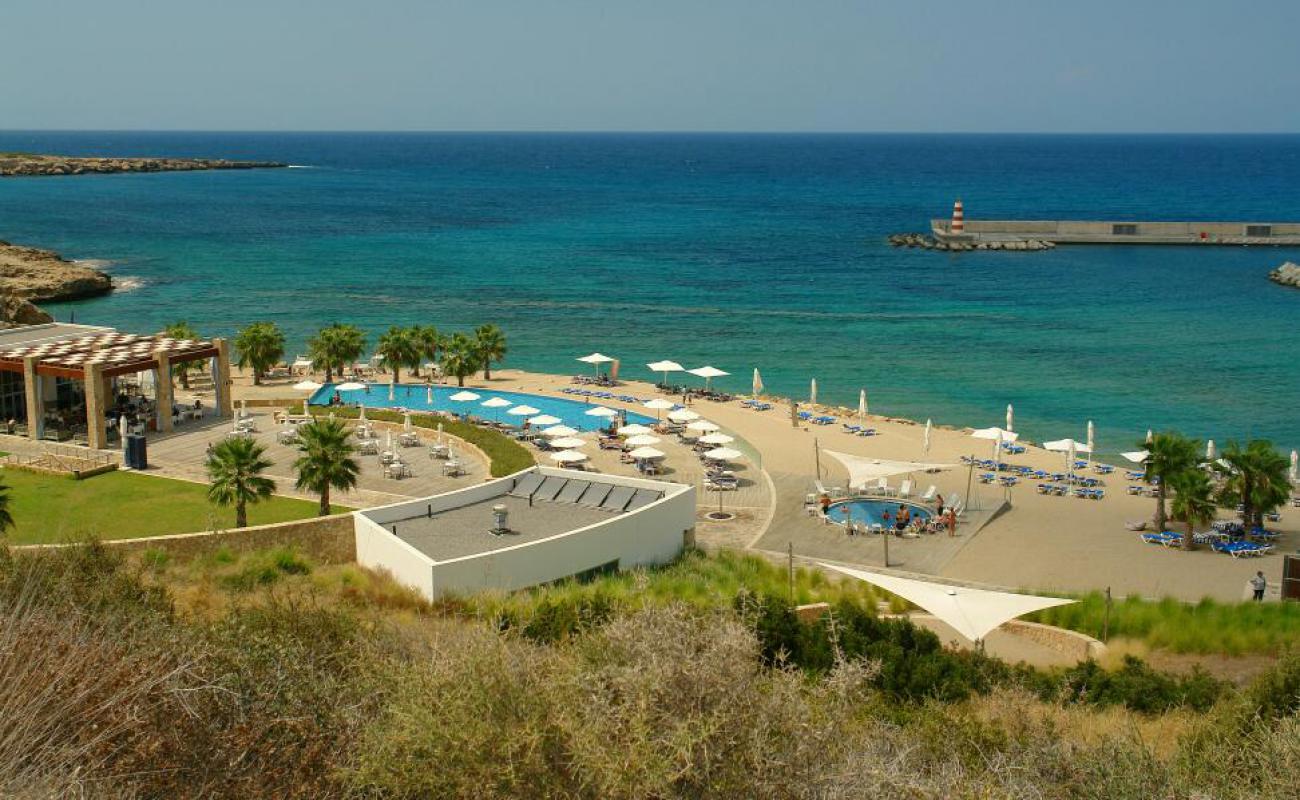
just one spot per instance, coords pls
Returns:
(958, 219)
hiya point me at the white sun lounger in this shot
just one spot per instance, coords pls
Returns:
(905, 490)
(930, 493)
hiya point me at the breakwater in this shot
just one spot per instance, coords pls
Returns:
(920, 240)
(973, 231)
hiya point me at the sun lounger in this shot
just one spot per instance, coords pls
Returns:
(905, 490)
(618, 499)
(550, 488)
(527, 485)
(930, 493)
(572, 491)
(643, 498)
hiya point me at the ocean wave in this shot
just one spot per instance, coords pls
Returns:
(93, 263)
(127, 283)
(302, 166)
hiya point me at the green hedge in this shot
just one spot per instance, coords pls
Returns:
(507, 455)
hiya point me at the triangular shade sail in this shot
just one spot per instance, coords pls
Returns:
(863, 470)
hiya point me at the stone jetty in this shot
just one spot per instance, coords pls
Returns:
(1287, 275)
(13, 165)
(924, 242)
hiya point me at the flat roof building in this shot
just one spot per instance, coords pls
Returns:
(536, 526)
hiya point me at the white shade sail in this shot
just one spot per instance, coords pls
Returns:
(307, 386)
(634, 430)
(642, 440)
(543, 420)
(1137, 456)
(463, 397)
(601, 411)
(523, 411)
(659, 404)
(568, 442)
(722, 454)
(497, 402)
(863, 470)
(350, 386)
(559, 430)
(707, 372)
(596, 358)
(971, 612)
(568, 457)
(1000, 434)
(1066, 445)
(683, 415)
(302, 363)
(665, 366)
(646, 452)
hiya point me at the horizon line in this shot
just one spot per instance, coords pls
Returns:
(633, 132)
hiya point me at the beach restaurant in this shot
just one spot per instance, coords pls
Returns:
(64, 374)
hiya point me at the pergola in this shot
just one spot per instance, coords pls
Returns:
(95, 356)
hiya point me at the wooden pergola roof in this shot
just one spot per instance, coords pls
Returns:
(119, 353)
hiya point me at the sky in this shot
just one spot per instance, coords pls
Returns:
(652, 65)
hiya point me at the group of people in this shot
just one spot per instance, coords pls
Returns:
(903, 518)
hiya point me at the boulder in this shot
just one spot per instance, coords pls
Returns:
(16, 311)
(1287, 275)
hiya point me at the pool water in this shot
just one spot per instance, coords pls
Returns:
(416, 398)
(872, 512)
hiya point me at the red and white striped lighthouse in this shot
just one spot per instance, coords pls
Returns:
(958, 218)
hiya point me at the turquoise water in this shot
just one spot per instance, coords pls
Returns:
(437, 398)
(872, 512)
(736, 251)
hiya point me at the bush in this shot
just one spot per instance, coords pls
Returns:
(1135, 685)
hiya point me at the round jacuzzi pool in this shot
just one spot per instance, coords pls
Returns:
(872, 511)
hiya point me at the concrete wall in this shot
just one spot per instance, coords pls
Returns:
(1083, 231)
(651, 535)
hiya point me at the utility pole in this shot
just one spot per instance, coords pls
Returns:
(884, 537)
(1105, 623)
(791, 572)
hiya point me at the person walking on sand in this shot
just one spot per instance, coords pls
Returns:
(952, 521)
(1259, 583)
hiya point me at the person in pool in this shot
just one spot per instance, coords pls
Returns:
(904, 517)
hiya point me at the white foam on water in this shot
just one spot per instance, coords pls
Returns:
(127, 283)
(93, 263)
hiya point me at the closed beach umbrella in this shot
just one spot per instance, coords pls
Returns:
(703, 426)
(243, 408)
(812, 392)
(556, 431)
(362, 416)
(428, 394)
(463, 397)
(1091, 441)
(568, 442)
(407, 427)
(757, 386)
(646, 453)
(925, 445)
(523, 411)
(388, 442)
(307, 386)
(665, 367)
(601, 411)
(683, 415)
(543, 420)
(1150, 436)
(1209, 450)
(1295, 466)
(862, 404)
(722, 454)
(440, 441)
(1011, 418)
(634, 430)
(642, 440)
(717, 438)
(568, 457)
(1069, 457)
(350, 386)
(392, 391)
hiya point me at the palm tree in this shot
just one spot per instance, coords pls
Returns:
(459, 358)
(427, 342)
(1170, 453)
(326, 461)
(6, 518)
(334, 347)
(235, 471)
(259, 346)
(398, 349)
(490, 345)
(1193, 500)
(183, 330)
(1255, 477)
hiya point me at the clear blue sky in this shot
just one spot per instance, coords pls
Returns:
(652, 65)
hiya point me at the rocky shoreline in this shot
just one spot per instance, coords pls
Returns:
(31, 165)
(29, 275)
(1286, 275)
(930, 243)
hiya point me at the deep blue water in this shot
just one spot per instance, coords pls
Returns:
(738, 251)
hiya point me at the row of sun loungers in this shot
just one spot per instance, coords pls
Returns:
(536, 487)
(1217, 542)
(757, 405)
(601, 395)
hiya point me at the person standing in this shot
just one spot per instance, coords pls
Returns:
(1259, 583)
(952, 522)
(825, 501)
(938, 506)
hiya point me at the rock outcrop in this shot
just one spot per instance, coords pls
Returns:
(33, 274)
(16, 311)
(1288, 275)
(930, 243)
(25, 164)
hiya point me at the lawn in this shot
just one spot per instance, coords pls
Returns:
(125, 505)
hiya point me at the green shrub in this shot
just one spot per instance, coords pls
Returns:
(265, 567)
(1137, 686)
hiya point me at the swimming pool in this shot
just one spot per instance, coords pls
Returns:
(416, 398)
(872, 512)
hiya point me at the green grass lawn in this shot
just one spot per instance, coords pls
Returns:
(125, 505)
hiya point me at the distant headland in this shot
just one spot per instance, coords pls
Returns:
(14, 165)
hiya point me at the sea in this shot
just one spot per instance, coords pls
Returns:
(733, 250)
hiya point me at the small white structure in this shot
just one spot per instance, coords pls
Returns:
(561, 523)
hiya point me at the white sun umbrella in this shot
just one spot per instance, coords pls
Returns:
(1209, 450)
(1011, 418)
(495, 403)
(757, 385)
(708, 374)
(556, 431)
(350, 386)
(665, 367)
(659, 404)
(543, 420)
(596, 359)
(463, 397)
(601, 411)
(1136, 456)
(307, 386)
(568, 442)
(812, 392)
(1070, 447)
(683, 415)
(925, 444)
(568, 457)
(1295, 466)
(722, 454)
(862, 404)
(634, 430)
(523, 411)
(642, 440)
(717, 438)
(703, 426)
(646, 453)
